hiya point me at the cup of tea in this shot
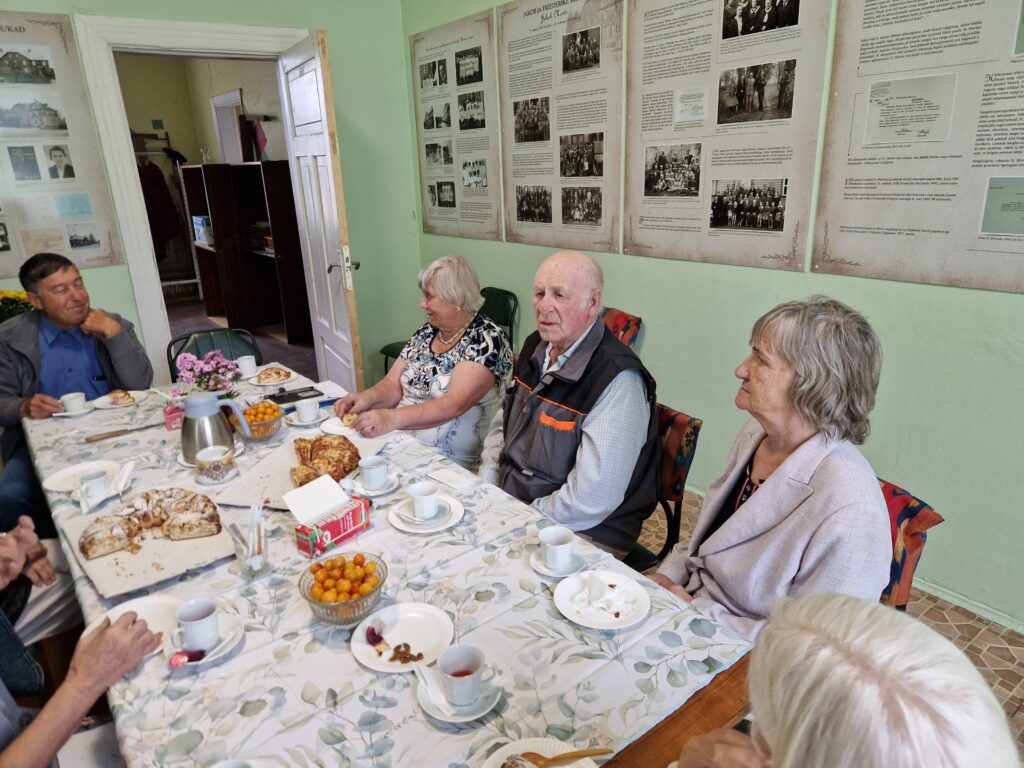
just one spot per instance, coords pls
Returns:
(462, 668)
(373, 472)
(215, 463)
(556, 545)
(198, 625)
(306, 410)
(73, 402)
(246, 365)
(95, 486)
(424, 499)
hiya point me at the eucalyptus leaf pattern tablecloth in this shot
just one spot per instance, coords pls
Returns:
(292, 693)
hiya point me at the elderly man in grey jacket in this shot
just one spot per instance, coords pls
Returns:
(62, 346)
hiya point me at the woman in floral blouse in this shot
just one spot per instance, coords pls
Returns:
(448, 381)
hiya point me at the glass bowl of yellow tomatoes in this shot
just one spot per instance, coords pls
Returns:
(343, 589)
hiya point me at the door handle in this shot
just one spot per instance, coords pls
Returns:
(356, 265)
(333, 267)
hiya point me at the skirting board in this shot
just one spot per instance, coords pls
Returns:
(985, 611)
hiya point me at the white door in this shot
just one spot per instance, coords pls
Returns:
(320, 209)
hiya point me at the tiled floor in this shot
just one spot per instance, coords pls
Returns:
(998, 652)
(187, 316)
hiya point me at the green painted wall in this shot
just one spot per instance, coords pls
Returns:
(367, 51)
(949, 423)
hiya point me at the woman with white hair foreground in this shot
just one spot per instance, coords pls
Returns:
(838, 682)
(448, 381)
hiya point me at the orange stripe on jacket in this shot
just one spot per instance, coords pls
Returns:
(561, 426)
(559, 405)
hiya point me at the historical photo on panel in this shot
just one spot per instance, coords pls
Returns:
(5, 239)
(443, 118)
(749, 204)
(533, 203)
(433, 154)
(26, 64)
(446, 152)
(531, 120)
(59, 158)
(24, 114)
(581, 205)
(433, 74)
(24, 163)
(748, 17)
(758, 92)
(474, 173)
(83, 235)
(581, 154)
(432, 195)
(581, 50)
(672, 170)
(446, 194)
(471, 111)
(428, 119)
(469, 66)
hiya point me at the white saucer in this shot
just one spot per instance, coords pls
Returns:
(537, 563)
(226, 479)
(239, 450)
(232, 629)
(67, 479)
(390, 487)
(490, 696)
(333, 426)
(89, 408)
(292, 376)
(427, 628)
(404, 521)
(292, 419)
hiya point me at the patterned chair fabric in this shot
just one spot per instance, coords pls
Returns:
(625, 326)
(909, 519)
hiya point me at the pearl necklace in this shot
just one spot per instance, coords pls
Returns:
(454, 336)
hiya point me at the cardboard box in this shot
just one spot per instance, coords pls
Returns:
(174, 414)
(203, 228)
(329, 530)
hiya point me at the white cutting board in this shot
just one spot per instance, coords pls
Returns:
(270, 479)
(157, 560)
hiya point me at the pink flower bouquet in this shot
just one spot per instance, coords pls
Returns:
(212, 373)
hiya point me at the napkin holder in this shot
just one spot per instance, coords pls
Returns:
(174, 414)
(326, 516)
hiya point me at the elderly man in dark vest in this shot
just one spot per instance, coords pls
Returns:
(577, 434)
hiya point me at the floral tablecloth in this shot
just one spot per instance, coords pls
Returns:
(292, 694)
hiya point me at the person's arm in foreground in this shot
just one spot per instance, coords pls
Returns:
(723, 748)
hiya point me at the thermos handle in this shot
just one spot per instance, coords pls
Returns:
(241, 417)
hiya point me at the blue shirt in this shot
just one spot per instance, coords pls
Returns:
(68, 362)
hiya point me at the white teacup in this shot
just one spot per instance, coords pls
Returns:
(198, 625)
(374, 472)
(462, 668)
(246, 365)
(215, 463)
(73, 402)
(556, 544)
(95, 486)
(424, 499)
(306, 410)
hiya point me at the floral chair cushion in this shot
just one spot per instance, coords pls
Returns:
(624, 326)
(678, 434)
(909, 519)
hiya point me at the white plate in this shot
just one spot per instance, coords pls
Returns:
(158, 612)
(104, 404)
(595, 618)
(361, 490)
(492, 691)
(403, 520)
(333, 426)
(231, 629)
(548, 747)
(292, 376)
(427, 630)
(537, 563)
(239, 450)
(292, 419)
(89, 408)
(67, 479)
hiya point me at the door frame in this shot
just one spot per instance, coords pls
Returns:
(223, 105)
(98, 38)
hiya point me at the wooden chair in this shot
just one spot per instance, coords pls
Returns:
(499, 305)
(232, 343)
(909, 519)
(625, 326)
(678, 433)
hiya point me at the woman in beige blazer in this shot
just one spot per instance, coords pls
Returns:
(798, 509)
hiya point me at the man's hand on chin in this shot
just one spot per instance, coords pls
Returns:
(99, 323)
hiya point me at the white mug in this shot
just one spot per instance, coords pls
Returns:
(373, 472)
(198, 625)
(95, 485)
(424, 499)
(556, 544)
(306, 410)
(73, 402)
(246, 365)
(462, 668)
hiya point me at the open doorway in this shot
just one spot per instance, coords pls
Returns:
(212, 160)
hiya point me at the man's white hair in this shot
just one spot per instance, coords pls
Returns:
(837, 682)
